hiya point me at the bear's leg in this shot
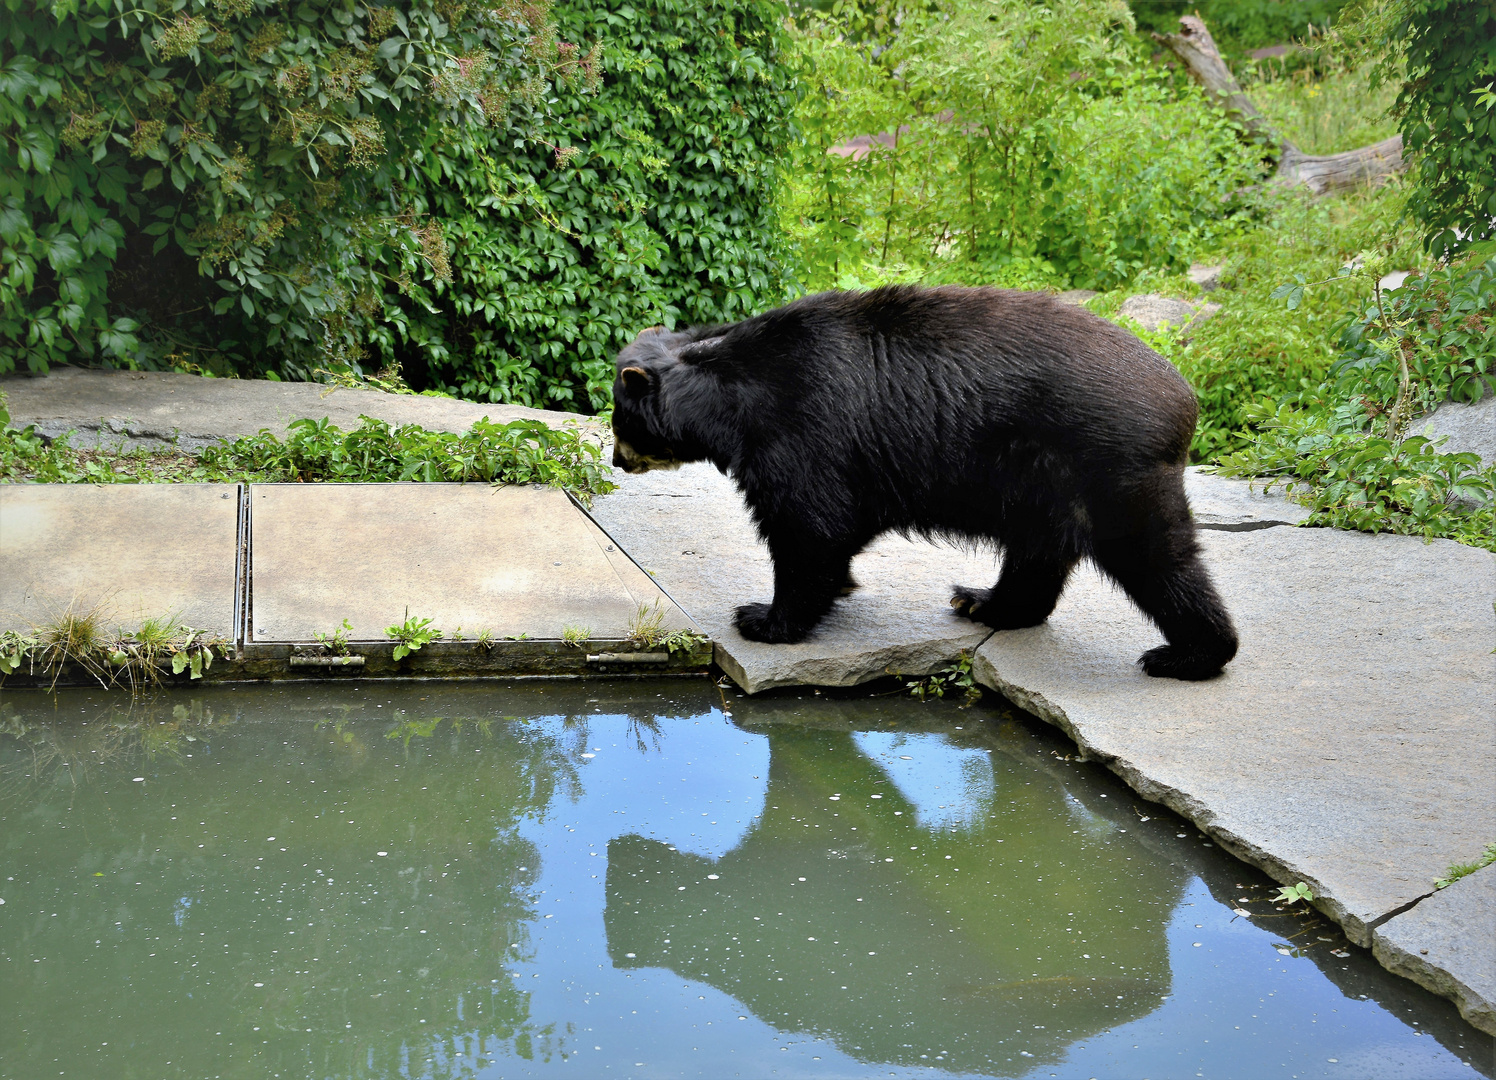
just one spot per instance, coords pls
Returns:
(1026, 592)
(808, 577)
(1162, 572)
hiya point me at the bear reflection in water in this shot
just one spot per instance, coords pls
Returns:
(846, 920)
(978, 414)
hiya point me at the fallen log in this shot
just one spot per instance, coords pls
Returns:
(1321, 174)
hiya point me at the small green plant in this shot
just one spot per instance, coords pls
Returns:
(337, 641)
(576, 636)
(1292, 894)
(485, 640)
(139, 657)
(646, 627)
(521, 636)
(15, 649)
(954, 676)
(411, 635)
(457, 635)
(646, 630)
(1459, 870)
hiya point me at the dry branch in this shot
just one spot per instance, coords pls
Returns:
(1367, 165)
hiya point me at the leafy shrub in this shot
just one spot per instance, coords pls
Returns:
(443, 187)
(217, 184)
(1254, 352)
(1344, 445)
(1442, 56)
(1062, 161)
(657, 209)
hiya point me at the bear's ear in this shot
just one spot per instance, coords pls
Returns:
(635, 380)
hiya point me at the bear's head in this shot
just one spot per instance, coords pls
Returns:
(645, 433)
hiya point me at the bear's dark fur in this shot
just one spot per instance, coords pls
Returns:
(982, 414)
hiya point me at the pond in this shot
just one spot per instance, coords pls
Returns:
(652, 878)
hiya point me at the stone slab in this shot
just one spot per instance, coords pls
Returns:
(1154, 312)
(1447, 944)
(510, 560)
(1346, 746)
(132, 550)
(691, 529)
(1221, 502)
(1466, 429)
(155, 408)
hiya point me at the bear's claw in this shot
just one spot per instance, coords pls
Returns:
(967, 602)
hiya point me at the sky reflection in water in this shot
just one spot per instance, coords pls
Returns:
(619, 880)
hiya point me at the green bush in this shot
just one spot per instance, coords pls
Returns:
(1344, 445)
(317, 451)
(1063, 160)
(1447, 109)
(237, 187)
(215, 184)
(658, 209)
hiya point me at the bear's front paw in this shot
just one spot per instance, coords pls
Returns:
(761, 622)
(1173, 662)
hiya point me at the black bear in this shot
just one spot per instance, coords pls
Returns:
(971, 413)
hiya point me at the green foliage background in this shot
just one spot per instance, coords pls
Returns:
(212, 184)
(1036, 146)
(233, 187)
(665, 214)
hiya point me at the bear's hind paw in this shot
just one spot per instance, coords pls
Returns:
(1173, 662)
(760, 622)
(967, 602)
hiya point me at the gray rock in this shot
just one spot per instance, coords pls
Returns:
(692, 531)
(1153, 312)
(1207, 277)
(1466, 429)
(153, 409)
(1220, 502)
(1076, 296)
(1447, 944)
(1345, 745)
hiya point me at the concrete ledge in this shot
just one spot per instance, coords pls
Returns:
(1447, 944)
(153, 409)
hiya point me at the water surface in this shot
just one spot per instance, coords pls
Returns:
(639, 879)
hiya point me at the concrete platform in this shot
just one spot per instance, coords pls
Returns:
(132, 551)
(506, 560)
(508, 574)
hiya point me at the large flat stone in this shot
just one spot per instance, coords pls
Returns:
(692, 531)
(1346, 746)
(1464, 429)
(132, 551)
(156, 408)
(1220, 502)
(1447, 944)
(509, 560)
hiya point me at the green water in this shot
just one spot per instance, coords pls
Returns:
(639, 879)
